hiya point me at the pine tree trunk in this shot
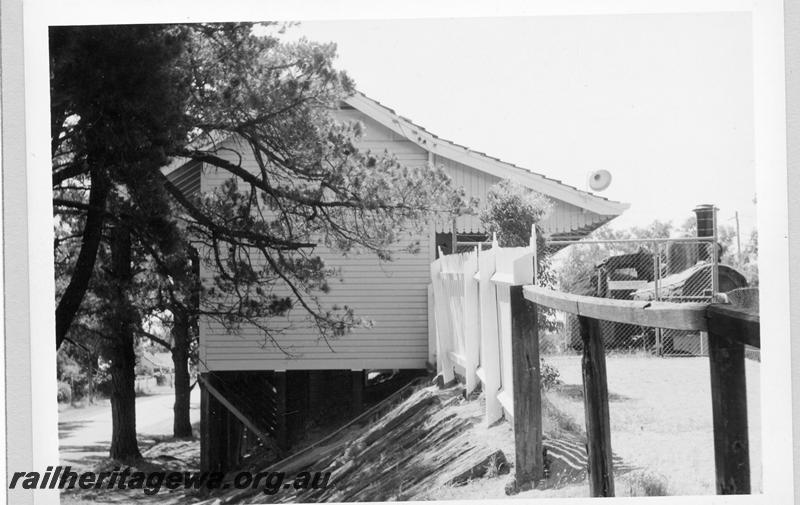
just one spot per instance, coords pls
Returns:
(124, 446)
(182, 426)
(84, 266)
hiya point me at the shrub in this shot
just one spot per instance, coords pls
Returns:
(550, 376)
(64, 392)
(645, 483)
(73, 369)
(103, 383)
(161, 379)
(511, 209)
(552, 342)
(144, 367)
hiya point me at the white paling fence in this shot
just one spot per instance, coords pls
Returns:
(472, 312)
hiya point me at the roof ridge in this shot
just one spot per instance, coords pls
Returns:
(482, 154)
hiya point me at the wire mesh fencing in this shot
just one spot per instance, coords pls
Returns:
(672, 270)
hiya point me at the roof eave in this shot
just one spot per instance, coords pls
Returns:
(482, 162)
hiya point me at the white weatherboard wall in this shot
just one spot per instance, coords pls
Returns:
(393, 295)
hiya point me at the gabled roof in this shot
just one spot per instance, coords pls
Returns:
(461, 154)
(202, 142)
(481, 161)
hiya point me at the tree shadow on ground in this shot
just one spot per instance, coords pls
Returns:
(86, 462)
(102, 448)
(170, 455)
(65, 428)
(575, 392)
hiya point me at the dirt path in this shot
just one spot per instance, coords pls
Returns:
(85, 433)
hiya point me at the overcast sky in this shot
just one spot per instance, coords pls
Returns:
(664, 102)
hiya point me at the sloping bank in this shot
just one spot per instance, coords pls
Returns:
(426, 447)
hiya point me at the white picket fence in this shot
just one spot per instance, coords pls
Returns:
(472, 313)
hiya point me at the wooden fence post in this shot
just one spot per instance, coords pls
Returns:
(595, 401)
(529, 467)
(729, 408)
(513, 267)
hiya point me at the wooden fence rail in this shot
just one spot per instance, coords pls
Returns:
(497, 294)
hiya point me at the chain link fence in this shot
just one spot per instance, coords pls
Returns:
(671, 270)
(659, 409)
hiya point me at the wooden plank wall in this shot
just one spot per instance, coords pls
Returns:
(394, 295)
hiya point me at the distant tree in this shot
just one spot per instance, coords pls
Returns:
(576, 270)
(726, 240)
(174, 302)
(752, 244)
(656, 229)
(749, 263)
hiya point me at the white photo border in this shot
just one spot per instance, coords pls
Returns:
(31, 419)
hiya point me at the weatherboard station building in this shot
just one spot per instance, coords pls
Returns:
(247, 383)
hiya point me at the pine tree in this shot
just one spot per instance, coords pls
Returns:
(128, 99)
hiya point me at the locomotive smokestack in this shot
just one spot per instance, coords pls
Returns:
(705, 227)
